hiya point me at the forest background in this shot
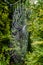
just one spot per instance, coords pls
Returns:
(34, 25)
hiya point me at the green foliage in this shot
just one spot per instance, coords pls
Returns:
(34, 24)
(4, 60)
(36, 57)
(4, 33)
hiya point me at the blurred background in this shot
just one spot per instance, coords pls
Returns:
(21, 41)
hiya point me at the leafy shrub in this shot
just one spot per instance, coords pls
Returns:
(36, 57)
